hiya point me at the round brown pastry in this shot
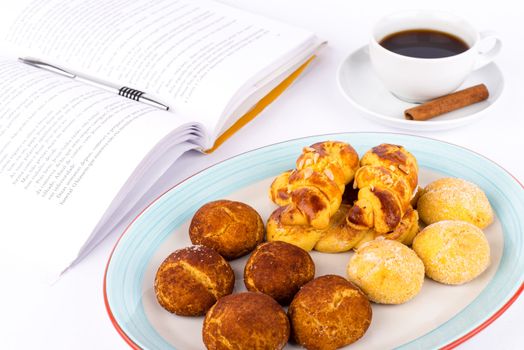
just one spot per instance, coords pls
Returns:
(231, 228)
(328, 313)
(278, 269)
(246, 321)
(454, 199)
(453, 252)
(387, 271)
(192, 279)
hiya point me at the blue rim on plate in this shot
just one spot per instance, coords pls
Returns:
(131, 254)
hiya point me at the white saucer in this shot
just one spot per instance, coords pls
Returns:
(361, 86)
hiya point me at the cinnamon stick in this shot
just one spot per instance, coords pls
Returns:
(448, 103)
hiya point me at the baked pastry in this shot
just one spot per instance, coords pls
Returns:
(328, 313)
(340, 237)
(395, 158)
(407, 229)
(387, 271)
(303, 236)
(454, 199)
(386, 180)
(278, 269)
(246, 321)
(453, 252)
(310, 197)
(336, 157)
(312, 193)
(190, 280)
(231, 228)
(337, 237)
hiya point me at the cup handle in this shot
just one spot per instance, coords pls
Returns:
(487, 56)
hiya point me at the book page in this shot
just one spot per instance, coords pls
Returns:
(66, 149)
(195, 54)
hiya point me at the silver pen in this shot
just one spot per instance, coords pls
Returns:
(124, 91)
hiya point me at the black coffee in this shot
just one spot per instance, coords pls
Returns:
(424, 43)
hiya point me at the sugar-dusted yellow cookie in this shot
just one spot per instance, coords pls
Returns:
(453, 252)
(454, 199)
(387, 271)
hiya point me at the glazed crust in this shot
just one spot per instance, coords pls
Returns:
(312, 193)
(395, 158)
(278, 269)
(328, 313)
(337, 237)
(386, 180)
(190, 280)
(231, 228)
(246, 321)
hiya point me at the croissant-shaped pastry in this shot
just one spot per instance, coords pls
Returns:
(336, 237)
(395, 158)
(331, 157)
(312, 193)
(312, 214)
(386, 181)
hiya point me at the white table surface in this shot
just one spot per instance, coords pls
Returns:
(71, 313)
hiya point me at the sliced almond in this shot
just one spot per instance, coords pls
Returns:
(404, 169)
(308, 172)
(329, 174)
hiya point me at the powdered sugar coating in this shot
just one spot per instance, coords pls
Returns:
(454, 199)
(387, 271)
(453, 252)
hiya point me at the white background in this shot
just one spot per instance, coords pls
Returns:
(71, 314)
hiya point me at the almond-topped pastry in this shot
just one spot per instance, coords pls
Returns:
(312, 192)
(337, 159)
(396, 158)
(308, 195)
(190, 280)
(231, 228)
(386, 181)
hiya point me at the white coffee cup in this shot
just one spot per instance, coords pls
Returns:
(421, 79)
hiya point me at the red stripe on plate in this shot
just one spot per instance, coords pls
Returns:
(486, 323)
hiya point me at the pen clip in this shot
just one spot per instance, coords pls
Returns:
(46, 66)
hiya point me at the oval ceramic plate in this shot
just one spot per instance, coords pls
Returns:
(450, 314)
(360, 85)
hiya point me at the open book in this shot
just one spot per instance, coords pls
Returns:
(76, 158)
